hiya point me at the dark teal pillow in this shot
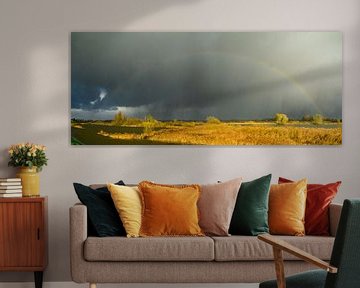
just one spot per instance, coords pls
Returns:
(250, 216)
(103, 218)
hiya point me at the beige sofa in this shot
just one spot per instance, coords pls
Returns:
(234, 259)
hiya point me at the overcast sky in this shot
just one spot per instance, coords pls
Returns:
(189, 76)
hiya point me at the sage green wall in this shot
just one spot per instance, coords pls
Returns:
(35, 99)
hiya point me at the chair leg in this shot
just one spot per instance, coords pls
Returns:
(92, 285)
(279, 267)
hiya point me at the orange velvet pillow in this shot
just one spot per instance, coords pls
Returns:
(287, 204)
(169, 210)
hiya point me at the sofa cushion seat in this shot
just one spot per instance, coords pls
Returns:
(249, 248)
(149, 249)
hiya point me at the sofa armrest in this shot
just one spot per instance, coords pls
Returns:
(78, 235)
(334, 216)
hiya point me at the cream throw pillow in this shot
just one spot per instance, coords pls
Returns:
(127, 201)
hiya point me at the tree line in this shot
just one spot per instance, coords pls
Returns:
(121, 119)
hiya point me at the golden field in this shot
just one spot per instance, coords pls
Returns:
(202, 133)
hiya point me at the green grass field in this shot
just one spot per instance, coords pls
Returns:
(201, 133)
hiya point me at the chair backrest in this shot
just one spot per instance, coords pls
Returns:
(346, 252)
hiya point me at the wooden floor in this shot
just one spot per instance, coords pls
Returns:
(74, 285)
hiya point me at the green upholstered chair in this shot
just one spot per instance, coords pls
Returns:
(344, 268)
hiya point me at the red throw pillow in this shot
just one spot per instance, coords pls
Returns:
(319, 197)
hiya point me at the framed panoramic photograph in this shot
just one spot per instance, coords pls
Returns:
(206, 88)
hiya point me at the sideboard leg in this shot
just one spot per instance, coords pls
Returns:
(38, 279)
(92, 285)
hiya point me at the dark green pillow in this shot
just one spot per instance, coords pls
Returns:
(102, 215)
(250, 215)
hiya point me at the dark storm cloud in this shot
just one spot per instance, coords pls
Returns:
(193, 75)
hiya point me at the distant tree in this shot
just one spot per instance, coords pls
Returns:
(318, 119)
(281, 118)
(149, 123)
(212, 120)
(133, 121)
(150, 118)
(307, 117)
(119, 119)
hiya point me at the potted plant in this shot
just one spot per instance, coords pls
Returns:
(30, 158)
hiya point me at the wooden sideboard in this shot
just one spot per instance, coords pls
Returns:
(23, 235)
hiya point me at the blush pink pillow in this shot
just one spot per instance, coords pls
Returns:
(216, 206)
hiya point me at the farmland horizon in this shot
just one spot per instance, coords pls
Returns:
(210, 132)
(270, 119)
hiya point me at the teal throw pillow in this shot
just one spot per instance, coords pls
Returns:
(250, 216)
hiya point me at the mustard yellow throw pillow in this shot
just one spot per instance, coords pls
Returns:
(127, 201)
(287, 204)
(169, 210)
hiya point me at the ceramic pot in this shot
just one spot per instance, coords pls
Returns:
(30, 181)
